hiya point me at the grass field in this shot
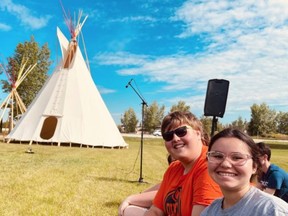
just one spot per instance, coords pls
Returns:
(82, 181)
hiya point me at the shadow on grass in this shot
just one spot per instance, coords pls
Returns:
(112, 204)
(115, 203)
(119, 180)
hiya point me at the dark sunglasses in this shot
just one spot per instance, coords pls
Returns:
(180, 132)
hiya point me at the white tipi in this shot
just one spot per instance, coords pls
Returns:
(69, 108)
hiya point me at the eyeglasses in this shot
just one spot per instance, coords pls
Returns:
(235, 158)
(180, 132)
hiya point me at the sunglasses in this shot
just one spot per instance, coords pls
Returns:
(180, 132)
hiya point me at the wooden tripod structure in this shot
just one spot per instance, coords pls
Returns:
(13, 97)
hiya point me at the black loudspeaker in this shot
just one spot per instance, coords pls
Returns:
(216, 97)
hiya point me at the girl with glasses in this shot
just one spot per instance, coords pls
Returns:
(186, 188)
(233, 163)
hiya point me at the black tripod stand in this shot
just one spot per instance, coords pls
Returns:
(142, 128)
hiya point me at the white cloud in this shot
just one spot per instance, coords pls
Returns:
(247, 45)
(135, 19)
(103, 90)
(120, 58)
(4, 27)
(24, 15)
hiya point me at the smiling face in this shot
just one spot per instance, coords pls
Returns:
(185, 148)
(183, 136)
(228, 176)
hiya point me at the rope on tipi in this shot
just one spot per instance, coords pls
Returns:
(85, 52)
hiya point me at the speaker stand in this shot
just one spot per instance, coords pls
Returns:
(214, 125)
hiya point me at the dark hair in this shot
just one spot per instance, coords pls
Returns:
(170, 159)
(235, 133)
(178, 118)
(264, 149)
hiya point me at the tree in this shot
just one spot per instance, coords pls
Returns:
(282, 122)
(153, 116)
(263, 120)
(181, 106)
(35, 80)
(129, 121)
(239, 124)
(206, 123)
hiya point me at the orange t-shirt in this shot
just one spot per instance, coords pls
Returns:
(178, 192)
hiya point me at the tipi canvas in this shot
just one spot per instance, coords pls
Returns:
(69, 108)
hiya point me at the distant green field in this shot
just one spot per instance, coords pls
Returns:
(82, 181)
(279, 154)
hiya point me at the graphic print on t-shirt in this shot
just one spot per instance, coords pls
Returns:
(173, 202)
(264, 183)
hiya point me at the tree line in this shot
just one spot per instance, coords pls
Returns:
(264, 121)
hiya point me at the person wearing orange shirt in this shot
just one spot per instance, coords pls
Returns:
(186, 188)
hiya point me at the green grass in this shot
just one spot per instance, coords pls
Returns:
(279, 153)
(82, 181)
(75, 181)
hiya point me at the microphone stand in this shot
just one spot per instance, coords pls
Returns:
(142, 129)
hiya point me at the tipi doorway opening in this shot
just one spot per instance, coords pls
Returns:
(48, 127)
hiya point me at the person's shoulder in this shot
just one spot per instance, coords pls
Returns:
(201, 162)
(175, 166)
(277, 204)
(277, 170)
(274, 167)
(175, 170)
(212, 208)
(270, 202)
(175, 163)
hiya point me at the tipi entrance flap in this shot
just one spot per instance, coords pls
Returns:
(48, 127)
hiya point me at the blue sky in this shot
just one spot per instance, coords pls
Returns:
(169, 48)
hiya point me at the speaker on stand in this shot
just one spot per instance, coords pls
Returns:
(216, 98)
